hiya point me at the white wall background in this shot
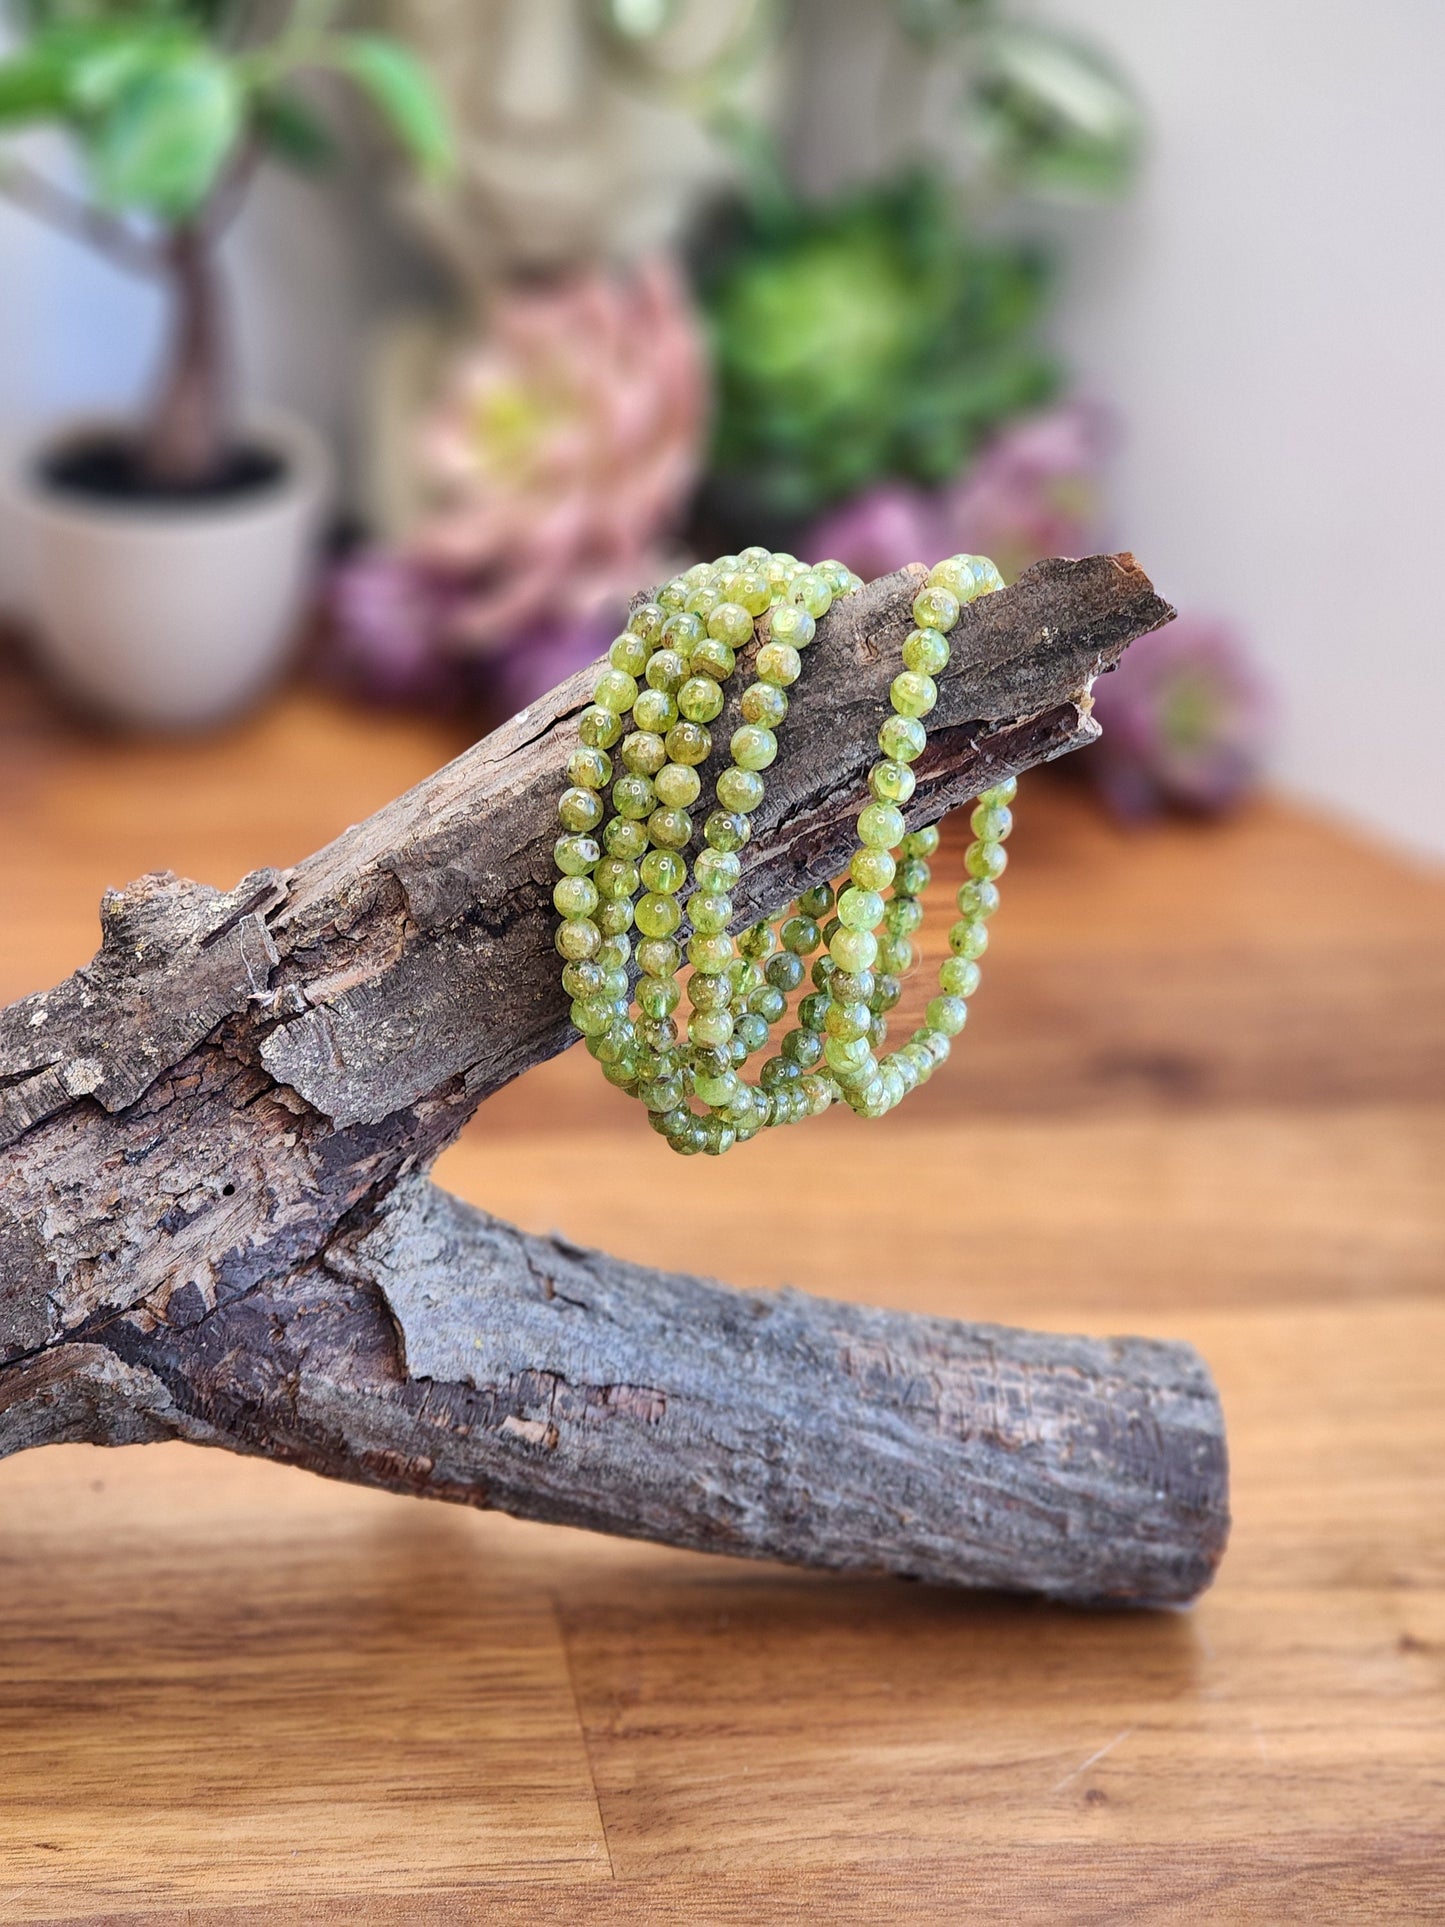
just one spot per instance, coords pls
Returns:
(1268, 315)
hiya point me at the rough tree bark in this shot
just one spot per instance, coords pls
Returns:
(215, 1222)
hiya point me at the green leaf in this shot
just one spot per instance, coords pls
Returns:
(400, 90)
(1055, 116)
(291, 129)
(167, 136)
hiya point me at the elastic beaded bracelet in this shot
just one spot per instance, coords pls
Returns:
(623, 873)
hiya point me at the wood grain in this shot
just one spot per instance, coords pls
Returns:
(522, 1722)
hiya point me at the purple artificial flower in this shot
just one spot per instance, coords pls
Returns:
(547, 654)
(388, 613)
(1185, 721)
(884, 528)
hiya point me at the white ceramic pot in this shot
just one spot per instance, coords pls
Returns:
(169, 615)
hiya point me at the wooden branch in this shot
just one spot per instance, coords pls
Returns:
(215, 1222)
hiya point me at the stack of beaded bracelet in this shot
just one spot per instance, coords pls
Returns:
(667, 671)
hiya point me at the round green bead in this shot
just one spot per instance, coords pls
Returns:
(658, 997)
(912, 694)
(700, 699)
(892, 782)
(785, 971)
(713, 658)
(935, 608)
(978, 899)
(628, 653)
(880, 826)
(677, 785)
(710, 993)
(853, 949)
(902, 739)
(614, 917)
(769, 1003)
(726, 830)
(579, 810)
(689, 743)
(599, 728)
(904, 915)
(669, 829)
(643, 752)
(634, 796)
(683, 632)
(716, 869)
(703, 600)
(847, 1020)
(647, 620)
(659, 957)
(575, 896)
(922, 842)
(658, 915)
(959, 976)
(710, 1027)
(992, 821)
(926, 651)
(672, 595)
(860, 909)
(740, 789)
(575, 855)
(847, 1054)
(764, 702)
(812, 593)
(791, 623)
(616, 691)
(801, 934)
(753, 747)
(947, 1014)
(985, 861)
(709, 912)
(624, 838)
(778, 662)
(578, 937)
(967, 939)
(667, 671)
(655, 710)
(872, 869)
(730, 622)
(710, 953)
(589, 769)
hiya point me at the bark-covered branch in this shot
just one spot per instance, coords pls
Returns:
(215, 1222)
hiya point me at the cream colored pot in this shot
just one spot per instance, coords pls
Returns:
(165, 615)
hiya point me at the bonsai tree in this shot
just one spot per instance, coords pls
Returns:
(172, 105)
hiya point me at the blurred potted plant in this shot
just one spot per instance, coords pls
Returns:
(164, 561)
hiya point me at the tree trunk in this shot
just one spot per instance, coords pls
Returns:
(215, 1222)
(187, 436)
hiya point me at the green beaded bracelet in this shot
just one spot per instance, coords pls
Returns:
(623, 872)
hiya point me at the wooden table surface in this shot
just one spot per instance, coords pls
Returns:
(1203, 1095)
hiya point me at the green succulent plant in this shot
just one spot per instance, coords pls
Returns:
(872, 336)
(171, 103)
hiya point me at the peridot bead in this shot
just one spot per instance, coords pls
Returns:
(895, 955)
(667, 671)
(716, 869)
(710, 1027)
(785, 971)
(628, 653)
(853, 949)
(880, 826)
(977, 899)
(922, 842)
(753, 747)
(659, 957)
(589, 769)
(847, 1020)
(713, 658)
(646, 620)
(872, 869)
(726, 830)
(926, 651)
(615, 691)
(658, 915)
(689, 743)
(677, 785)
(903, 916)
(672, 595)
(913, 877)
(912, 694)
(847, 1054)
(710, 993)
(992, 821)
(716, 1090)
(583, 979)
(710, 953)
(683, 632)
(902, 739)
(800, 934)
(753, 1030)
(599, 728)
(749, 587)
(791, 623)
(633, 795)
(935, 608)
(968, 939)
(778, 662)
(577, 937)
(985, 861)
(709, 912)
(769, 1003)
(860, 910)
(703, 600)
(575, 896)
(658, 997)
(655, 710)
(625, 839)
(643, 752)
(812, 593)
(892, 782)
(1003, 792)
(959, 976)
(579, 810)
(575, 855)
(669, 829)
(740, 790)
(947, 1014)
(730, 622)
(700, 699)
(764, 702)
(614, 917)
